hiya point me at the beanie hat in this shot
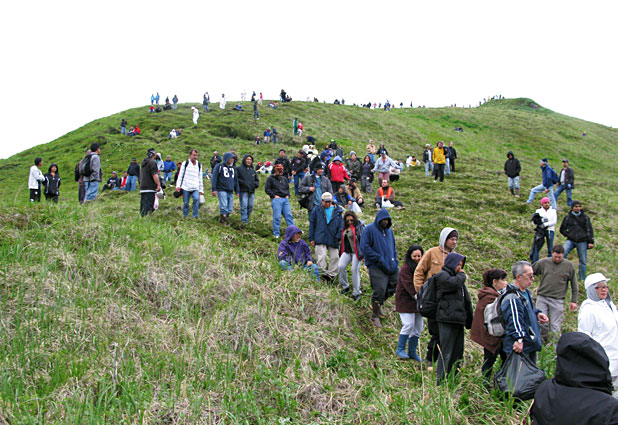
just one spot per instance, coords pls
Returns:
(545, 199)
(575, 203)
(544, 161)
(453, 233)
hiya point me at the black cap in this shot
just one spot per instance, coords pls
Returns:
(565, 160)
(319, 166)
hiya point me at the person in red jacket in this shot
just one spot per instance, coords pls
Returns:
(338, 173)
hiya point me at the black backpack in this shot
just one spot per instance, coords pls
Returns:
(427, 300)
(303, 198)
(85, 166)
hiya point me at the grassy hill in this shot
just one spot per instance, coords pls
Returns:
(110, 318)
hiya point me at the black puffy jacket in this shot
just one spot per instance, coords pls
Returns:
(577, 228)
(580, 393)
(454, 305)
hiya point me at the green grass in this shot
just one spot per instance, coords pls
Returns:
(110, 318)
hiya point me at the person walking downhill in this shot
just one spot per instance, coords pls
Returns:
(378, 247)
(566, 182)
(191, 183)
(35, 178)
(224, 184)
(349, 252)
(315, 185)
(549, 178)
(248, 181)
(405, 305)
(549, 218)
(366, 174)
(383, 166)
(428, 160)
(512, 168)
(325, 228)
(278, 188)
(577, 229)
(439, 161)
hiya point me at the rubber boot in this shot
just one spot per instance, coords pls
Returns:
(412, 346)
(374, 316)
(401, 347)
(381, 314)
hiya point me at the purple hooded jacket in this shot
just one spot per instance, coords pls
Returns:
(296, 253)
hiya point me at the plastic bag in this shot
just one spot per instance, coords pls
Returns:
(518, 377)
(355, 208)
(386, 203)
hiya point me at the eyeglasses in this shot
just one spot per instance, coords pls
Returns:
(601, 287)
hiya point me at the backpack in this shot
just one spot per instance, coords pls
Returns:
(85, 166)
(554, 176)
(77, 174)
(492, 315)
(426, 299)
(303, 198)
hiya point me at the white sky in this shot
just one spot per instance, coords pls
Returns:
(66, 63)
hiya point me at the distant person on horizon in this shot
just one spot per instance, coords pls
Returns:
(35, 179)
(222, 102)
(206, 101)
(512, 168)
(123, 127)
(175, 101)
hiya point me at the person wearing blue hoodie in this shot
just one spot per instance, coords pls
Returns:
(325, 227)
(453, 313)
(293, 251)
(521, 317)
(378, 247)
(169, 167)
(224, 183)
(549, 179)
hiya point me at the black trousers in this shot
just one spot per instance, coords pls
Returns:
(35, 195)
(51, 197)
(453, 164)
(81, 192)
(383, 284)
(147, 203)
(489, 359)
(451, 349)
(432, 347)
(438, 171)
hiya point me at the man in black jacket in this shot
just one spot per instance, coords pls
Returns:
(215, 159)
(298, 166)
(577, 229)
(580, 393)
(278, 188)
(133, 173)
(248, 181)
(452, 156)
(283, 160)
(567, 182)
(512, 168)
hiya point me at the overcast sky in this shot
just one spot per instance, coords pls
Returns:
(66, 63)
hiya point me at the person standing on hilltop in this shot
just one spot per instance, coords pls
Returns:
(378, 247)
(175, 101)
(222, 102)
(149, 183)
(430, 264)
(512, 168)
(566, 182)
(224, 183)
(549, 179)
(196, 115)
(206, 101)
(35, 179)
(91, 181)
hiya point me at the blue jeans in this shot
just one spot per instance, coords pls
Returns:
(540, 189)
(123, 130)
(447, 169)
(92, 189)
(313, 269)
(582, 253)
(246, 205)
(550, 245)
(513, 182)
(568, 194)
(167, 176)
(281, 206)
(373, 157)
(297, 178)
(186, 196)
(428, 168)
(274, 138)
(226, 201)
(131, 180)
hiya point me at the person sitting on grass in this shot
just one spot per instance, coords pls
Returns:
(386, 193)
(343, 198)
(112, 182)
(238, 107)
(294, 251)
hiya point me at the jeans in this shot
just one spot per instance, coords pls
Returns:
(373, 157)
(568, 194)
(246, 205)
(123, 130)
(274, 138)
(130, 186)
(344, 260)
(539, 189)
(550, 245)
(186, 196)
(92, 189)
(513, 182)
(281, 206)
(582, 253)
(256, 114)
(167, 176)
(313, 269)
(297, 179)
(226, 201)
(428, 168)
(447, 168)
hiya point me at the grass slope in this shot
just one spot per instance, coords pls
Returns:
(110, 318)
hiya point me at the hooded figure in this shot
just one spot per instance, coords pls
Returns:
(580, 393)
(512, 168)
(248, 181)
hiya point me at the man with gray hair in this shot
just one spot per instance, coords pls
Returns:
(521, 317)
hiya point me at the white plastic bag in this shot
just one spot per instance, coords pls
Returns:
(386, 203)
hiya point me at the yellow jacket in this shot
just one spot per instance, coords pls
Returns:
(438, 156)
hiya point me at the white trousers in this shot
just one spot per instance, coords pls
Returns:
(412, 324)
(344, 260)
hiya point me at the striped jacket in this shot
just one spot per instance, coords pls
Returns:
(520, 319)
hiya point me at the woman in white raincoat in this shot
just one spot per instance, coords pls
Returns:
(598, 318)
(196, 114)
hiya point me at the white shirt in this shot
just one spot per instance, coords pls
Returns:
(35, 177)
(191, 178)
(600, 322)
(551, 216)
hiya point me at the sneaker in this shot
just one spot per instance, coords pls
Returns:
(345, 290)
(356, 297)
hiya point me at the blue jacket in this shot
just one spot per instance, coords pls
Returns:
(225, 177)
(548, 174)
(322, 233)
(294, 253)
(520, 318)
(378, 245)
(169, 166)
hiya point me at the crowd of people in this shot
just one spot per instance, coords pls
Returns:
(326, 184)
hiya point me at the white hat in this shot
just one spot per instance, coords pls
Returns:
(327, 196)
(593, 279)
